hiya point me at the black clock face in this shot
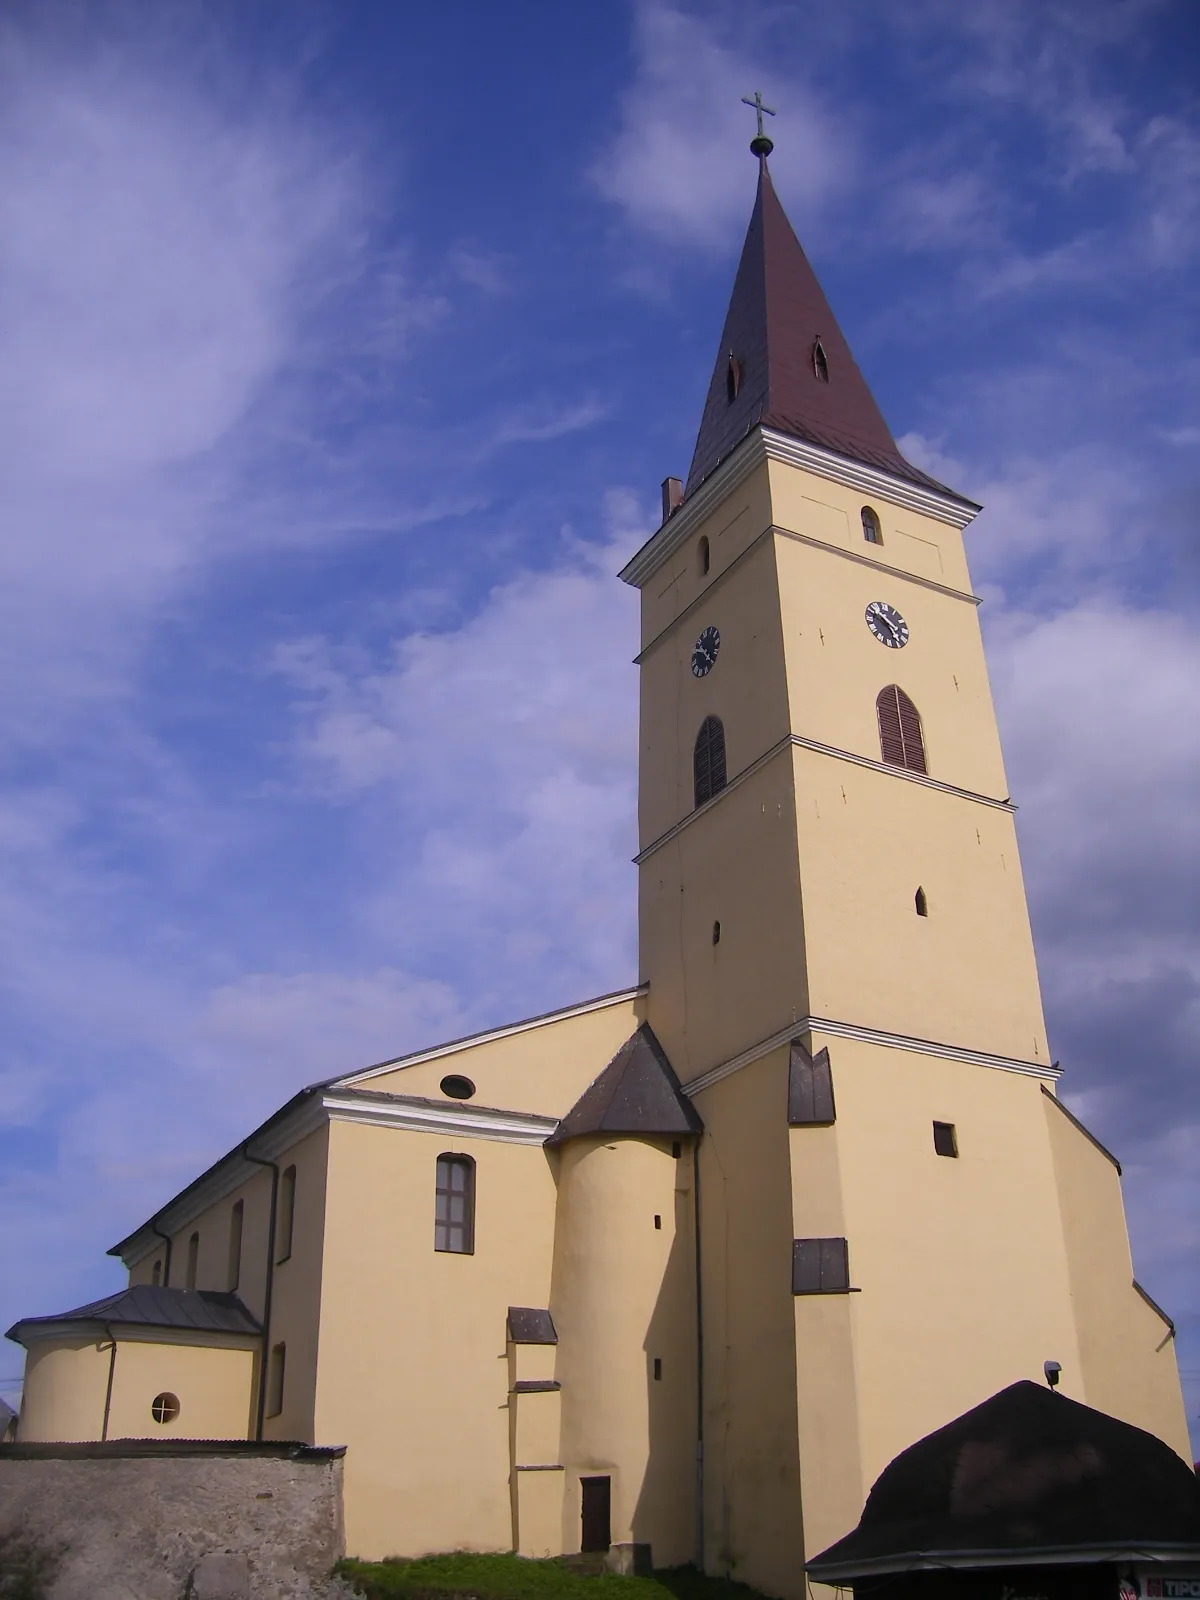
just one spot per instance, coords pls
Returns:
(704, 656)
(888, 626)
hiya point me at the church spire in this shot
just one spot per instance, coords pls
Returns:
(783, 363)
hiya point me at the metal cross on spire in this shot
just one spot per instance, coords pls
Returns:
(761, 145)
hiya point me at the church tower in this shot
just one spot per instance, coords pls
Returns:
(896, 1216)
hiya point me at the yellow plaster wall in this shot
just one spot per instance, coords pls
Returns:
(214, 1385)
(736, 864)
(413, 1373)
(836, 667)
(730, 529)
(965, 974)
(623, 1294)
(1128, 1357)
(752, 1508)
(542, 1069)
(961, 1262)
(296, 1295)
(745, 688)
(913, 544)
(65, 1384)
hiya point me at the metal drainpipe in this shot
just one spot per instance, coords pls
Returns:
(112, 1367)
(699, 1365)
(264, 1359)
(154, 1228)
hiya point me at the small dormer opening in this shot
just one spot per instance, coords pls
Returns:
(703, 557)
(819, 360)
(733, 378)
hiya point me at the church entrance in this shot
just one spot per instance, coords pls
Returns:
(597, 1503)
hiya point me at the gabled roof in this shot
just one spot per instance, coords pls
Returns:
(637, 1093)
(1026, 1474)
(777, 312)
(148, 1306)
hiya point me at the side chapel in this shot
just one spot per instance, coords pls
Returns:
(687, 1265)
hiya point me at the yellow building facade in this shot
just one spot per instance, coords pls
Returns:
(679, 1270)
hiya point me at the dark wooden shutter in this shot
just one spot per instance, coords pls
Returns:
(910, 732)
(810, 1088)
(900, 740)
(820, 1266)
(708, 760)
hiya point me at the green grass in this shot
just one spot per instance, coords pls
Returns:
(509, 1577)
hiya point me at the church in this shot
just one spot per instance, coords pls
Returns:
(677, 1271)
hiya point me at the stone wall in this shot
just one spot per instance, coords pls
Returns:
(134, 1520)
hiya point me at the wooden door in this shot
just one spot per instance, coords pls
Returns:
(597, 1503)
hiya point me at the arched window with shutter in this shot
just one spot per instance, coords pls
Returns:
(900, 730)
(708, 760)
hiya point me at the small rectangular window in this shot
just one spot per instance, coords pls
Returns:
(657, 1369)
(945, 1140)
(236, 1217)
(810, 1088)
(454, 1205)
(275, 1376)
(820, 1266)
(285, 1220)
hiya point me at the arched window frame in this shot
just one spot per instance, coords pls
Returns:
(871, 527)
(193, 1262)
(237, 1217)
(901, 738)
(708, 761)
(454, 1205)
(285, 1223)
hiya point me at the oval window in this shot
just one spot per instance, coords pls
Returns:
(458, 1088)
(164, 1408)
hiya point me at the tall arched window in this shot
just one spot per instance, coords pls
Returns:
(454, 1205)
(900, 730)
(872, 532)
(193, 1261)
(708, 760)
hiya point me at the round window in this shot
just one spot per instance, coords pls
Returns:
(164, 1408)
(458, 1088)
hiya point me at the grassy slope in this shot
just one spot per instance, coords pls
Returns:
(507, 1577)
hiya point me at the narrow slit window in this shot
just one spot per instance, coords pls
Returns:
(733, 378)
(716, 933)
(901, 741)
(454, 1206)
(703, 557)
(285, 1224)
(872, 532)
(708, 760)
(820, 361)
(921, 901)
(945, 1139)
(658, 1369)
(193, 1261)
(236, 1219)
(275, 1379)
(658, 1219)
(820, 1266)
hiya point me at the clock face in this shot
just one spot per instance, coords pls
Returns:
(704, 656)
(888, 626)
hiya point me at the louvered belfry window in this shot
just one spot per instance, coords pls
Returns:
(900, 730)
(708, 760)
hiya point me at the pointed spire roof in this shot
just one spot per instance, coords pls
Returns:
(779, 341)
(637, 1093)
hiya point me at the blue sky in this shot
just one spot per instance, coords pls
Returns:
(346, 347)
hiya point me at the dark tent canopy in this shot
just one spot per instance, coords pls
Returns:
(1028, 1477)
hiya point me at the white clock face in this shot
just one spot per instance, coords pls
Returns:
(704, 656)
(888, 626)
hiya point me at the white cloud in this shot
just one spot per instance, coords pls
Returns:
(678, 165)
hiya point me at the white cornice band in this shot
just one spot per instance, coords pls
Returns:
(798, 741)
(890, 1041)
(459, 1120)
(764, 444)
